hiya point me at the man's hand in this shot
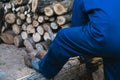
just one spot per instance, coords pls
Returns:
(5, 1)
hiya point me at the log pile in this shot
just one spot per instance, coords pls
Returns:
(35, 20)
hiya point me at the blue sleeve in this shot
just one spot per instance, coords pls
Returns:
(79, 17)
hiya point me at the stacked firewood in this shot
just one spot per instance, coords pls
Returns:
(35, 20)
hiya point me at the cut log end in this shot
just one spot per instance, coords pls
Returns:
(54, 25)
(16, 28)
(48, 11)
(24, 35)
(40, 30)
(40, 19)
(36, 37)
(35, 23)
(30, 29)
(61, 20)
(59, 8)
(10, 18)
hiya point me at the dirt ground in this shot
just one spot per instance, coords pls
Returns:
(12, 62)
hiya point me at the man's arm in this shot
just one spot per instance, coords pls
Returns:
(79, 17)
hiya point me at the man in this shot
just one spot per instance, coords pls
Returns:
(95, 31)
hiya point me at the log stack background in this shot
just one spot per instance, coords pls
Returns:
(35, 20)
(38, 22)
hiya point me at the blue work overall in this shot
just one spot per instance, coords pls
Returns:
(95, 31)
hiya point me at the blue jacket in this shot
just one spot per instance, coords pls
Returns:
(95, 32)
(103, 19)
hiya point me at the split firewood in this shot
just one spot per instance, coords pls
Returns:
(48, 11)
(16, 28)
(24, 35)
(22, 2)
(22, 16)
(36, 37)
(54, 25)
(61, 20)
(8, 37)
(24, 26)
(18, 41)
(35, 23)
(63, 7)
(10, 18)
(30, 29)
(41, 19)
(19, 21)
(48, 29)
(28, 20)
(40, 30)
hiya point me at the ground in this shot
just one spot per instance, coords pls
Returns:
(12, 61)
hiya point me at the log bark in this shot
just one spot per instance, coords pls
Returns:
(24, 35)
(7, 7)
(10, 18)
(36, 37)
(18, 41)
(34, 5)
(8, 37)
(22, 2)
(63, 7)
(30, 29)
(61, 20)
(16, 28)
(40, 30)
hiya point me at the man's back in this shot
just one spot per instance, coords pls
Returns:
(102, 25)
